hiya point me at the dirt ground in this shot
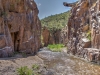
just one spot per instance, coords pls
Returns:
(8, 66)
(50, 63)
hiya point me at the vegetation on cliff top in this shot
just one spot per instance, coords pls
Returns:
(56, 22)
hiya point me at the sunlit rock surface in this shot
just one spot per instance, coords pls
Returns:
(20, 27)
(53, 37)
(84, 22)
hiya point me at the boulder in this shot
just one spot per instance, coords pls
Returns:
(87, 42)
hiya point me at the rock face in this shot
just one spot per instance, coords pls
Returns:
(83, 24)
(63, 34)
(46, 36)
(54, 37)
(20, 27)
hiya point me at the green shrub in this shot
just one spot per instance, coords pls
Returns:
(24, 71)
(35, 67)
(89, 35)
(56, 47)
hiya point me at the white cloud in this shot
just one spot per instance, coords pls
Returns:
(39, 4)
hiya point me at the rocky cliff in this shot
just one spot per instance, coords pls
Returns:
(20, 27)
(53, 37)
(84, 29)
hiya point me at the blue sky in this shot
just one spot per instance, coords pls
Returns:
(51, 7)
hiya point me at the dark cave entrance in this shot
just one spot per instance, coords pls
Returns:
(15, 40)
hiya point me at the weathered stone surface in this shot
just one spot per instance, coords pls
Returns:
(92, 54)
(87, 42)
(2, 41)
(51, 37)
(69, 4)
(86, 27)
(20, 27)
(46, 36)
(57, 36)
(85, 17)
(51, 40)
(63, 34)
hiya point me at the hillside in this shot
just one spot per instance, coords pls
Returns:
(55, 22)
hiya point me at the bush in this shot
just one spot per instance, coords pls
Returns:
(35, 67)
(56, 47)
(89, 35)
(24, 71)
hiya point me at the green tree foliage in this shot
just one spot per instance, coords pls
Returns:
(56, 22)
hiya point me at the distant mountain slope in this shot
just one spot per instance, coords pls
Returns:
(55, 22)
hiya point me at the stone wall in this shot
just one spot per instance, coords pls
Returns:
(20, 27)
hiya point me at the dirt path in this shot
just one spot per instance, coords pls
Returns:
(51, 63)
